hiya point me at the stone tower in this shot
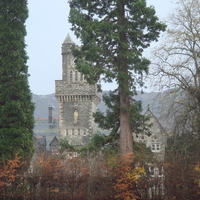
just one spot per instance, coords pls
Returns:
(77, 101)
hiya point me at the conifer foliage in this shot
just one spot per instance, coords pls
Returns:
(114, 34)
(16, 108)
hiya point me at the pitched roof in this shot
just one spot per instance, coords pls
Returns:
(55, 139)
(148, 113)
(42, 140)
(42, 127)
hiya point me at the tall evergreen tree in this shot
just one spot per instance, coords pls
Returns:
(110, 119)
(16, 108)
(114, 34)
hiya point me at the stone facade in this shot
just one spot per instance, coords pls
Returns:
(77, 101)
(155, 137)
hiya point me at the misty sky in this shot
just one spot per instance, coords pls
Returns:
(47, 27)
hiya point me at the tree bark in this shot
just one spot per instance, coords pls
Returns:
(126, 134)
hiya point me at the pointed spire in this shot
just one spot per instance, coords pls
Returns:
(68, 40)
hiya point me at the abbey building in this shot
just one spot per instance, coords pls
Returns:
(77, 101)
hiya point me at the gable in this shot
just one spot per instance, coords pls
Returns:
(156, 128)
(155, 137)
(54, 142)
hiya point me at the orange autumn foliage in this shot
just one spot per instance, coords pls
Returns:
(63, 177)
(127, 176)
(10, 172)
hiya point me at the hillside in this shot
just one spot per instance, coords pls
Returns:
(43, 101)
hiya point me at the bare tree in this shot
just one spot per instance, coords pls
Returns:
(177, 64)
(177, 68)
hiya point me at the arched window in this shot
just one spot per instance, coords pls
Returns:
(76, 76)
(81, 78)
(71, 76)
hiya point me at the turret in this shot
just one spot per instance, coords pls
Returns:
(67, 57)
(67, 44)
(77, 101)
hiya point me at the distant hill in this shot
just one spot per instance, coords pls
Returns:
(43, 101)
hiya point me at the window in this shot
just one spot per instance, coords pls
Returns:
(67, 132)
(85, 131)
(152, 146)
(142, 139)
(76, 76)
(155, 144)
(157, 147)
(79, 131)
(81, 79)
(72, 131)
(71, 76)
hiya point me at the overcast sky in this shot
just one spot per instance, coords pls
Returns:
(47, 27)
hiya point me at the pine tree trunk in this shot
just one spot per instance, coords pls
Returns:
(126, 134)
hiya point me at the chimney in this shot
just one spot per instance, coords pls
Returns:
(51, 116)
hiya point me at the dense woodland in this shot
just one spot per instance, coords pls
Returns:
(113, 166)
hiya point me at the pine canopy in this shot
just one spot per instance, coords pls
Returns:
(16, 108)
(114, 34)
